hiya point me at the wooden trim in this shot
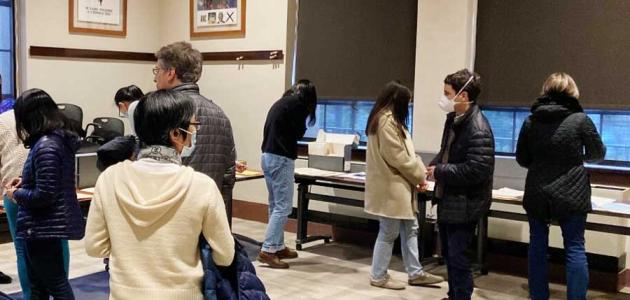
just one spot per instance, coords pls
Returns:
(87, 53)
(73, 29)
(141, 56)
(231, 33)
(243, 55)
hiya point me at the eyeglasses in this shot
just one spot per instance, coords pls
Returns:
(197, 125)
(156, 70)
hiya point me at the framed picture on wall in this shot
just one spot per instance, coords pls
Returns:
(217, 18)
(107, 17)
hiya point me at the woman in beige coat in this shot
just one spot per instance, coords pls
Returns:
(394, 173)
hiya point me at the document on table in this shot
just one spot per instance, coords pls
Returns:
(623, 208)
(353, 176)
(506, 192)
(317, 172)
(599, 202)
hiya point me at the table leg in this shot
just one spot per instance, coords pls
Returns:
(302, 216)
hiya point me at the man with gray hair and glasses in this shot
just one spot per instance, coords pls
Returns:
(212, 151)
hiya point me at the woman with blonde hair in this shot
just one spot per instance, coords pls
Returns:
(554, 142)
(393, 175)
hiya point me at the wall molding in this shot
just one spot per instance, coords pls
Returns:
(264, 55)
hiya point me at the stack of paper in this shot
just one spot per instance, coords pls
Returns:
(316, 172)
(599, 202)
(505, 192)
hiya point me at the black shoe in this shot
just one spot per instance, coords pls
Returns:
(4, 278)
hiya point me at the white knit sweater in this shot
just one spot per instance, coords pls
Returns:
(147, 218)
(12, 152)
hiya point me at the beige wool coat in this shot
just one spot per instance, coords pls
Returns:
(392, 173)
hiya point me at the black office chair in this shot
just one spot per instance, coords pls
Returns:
(104, 130)
(74, 113)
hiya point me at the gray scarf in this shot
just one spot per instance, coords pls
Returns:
(161, 154)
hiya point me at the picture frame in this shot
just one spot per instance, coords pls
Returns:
(211, 18)
(101, 17)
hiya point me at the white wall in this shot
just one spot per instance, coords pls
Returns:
(443, 46)
(245, 91)
(88, 83)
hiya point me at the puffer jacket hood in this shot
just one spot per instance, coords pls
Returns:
(161, 192)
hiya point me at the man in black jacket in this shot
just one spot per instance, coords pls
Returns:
(179, 68)
(463, 175)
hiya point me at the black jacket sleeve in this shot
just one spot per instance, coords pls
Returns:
(594, 149)
(523, 157)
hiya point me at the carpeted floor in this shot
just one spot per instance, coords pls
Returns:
(96, 286)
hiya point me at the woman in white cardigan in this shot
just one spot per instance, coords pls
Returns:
(147, 215)
(393, 176)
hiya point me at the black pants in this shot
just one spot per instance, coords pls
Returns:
(44, 263)
(455, 239)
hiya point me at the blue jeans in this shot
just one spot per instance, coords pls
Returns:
(575, 257)
(388, 232)
(455, 240)
(279, 176)
(10, 209)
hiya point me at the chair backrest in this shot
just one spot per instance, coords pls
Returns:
(74, 113)
(107, 129)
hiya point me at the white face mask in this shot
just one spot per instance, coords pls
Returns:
(448, 105)
(188, 150)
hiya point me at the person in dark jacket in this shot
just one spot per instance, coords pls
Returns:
(48, 210)
(553, 144)
(284, 127)
(463, 172)
(179, 68)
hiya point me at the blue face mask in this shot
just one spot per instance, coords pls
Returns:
(188, 150)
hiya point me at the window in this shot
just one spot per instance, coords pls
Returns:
(612, 125)
(342, 116)
(7, 53)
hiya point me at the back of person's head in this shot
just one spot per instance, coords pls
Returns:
(161, 112)
(182, 57)
(459, 79)
(560, 83)
(128, 94)
(306, 92)
(37, 114)
(394, 97)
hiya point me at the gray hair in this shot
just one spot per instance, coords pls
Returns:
(182, 57)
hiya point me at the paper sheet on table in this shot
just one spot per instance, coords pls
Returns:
(248, 173)
(354, 176)
(616, 207)
(316, 172)
(600, 201)
(507, 193)
(88, 190)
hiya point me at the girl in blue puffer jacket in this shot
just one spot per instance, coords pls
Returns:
(48, 210)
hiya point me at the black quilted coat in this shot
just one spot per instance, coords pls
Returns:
(215, 152)
(467, 177)
(47, 200)
(553, 144)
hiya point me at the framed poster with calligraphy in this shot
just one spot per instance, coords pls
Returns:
(107, 17)
(217, 18)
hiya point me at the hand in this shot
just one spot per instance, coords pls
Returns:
(431, 173)
(241, 166)
(15, 183)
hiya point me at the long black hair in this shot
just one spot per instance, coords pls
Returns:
(306, 91)
(394, 97)
(37, 114)
(160, 112)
